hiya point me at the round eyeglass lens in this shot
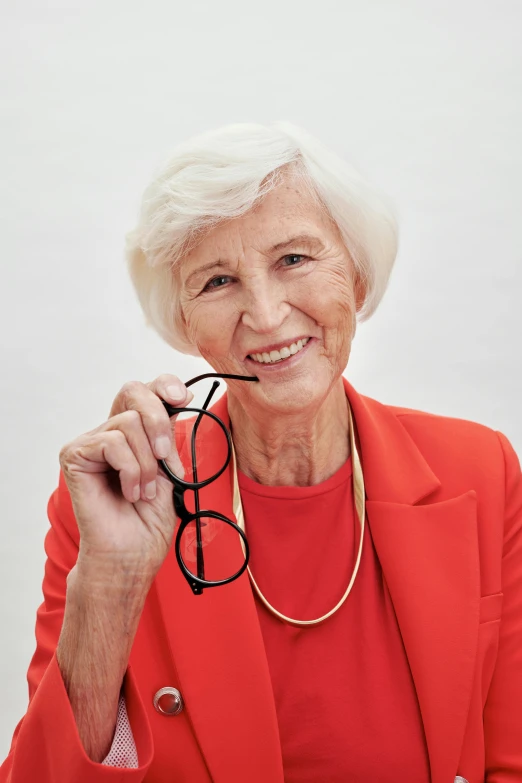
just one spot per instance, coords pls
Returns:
(211, 548)
(202, 446)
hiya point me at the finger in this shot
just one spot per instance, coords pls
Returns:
(120, 456)
(137, 396)
(130, 423)
(93, 453)
(171, 389)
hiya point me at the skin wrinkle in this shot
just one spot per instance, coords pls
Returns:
(196, 279)
(97, 609)
(292, 427)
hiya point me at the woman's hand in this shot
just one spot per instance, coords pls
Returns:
(121, 499)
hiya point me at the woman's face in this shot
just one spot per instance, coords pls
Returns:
(271, 294)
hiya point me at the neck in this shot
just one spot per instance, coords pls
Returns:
(292, 449)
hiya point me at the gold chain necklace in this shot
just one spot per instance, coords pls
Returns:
(359, 496)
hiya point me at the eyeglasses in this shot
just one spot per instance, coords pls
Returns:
(207, 530)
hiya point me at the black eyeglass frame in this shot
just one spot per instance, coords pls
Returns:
(198, 583)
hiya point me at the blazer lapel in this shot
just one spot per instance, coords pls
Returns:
(429, 556)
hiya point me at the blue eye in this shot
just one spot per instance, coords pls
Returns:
(216, 282)
(293, 256)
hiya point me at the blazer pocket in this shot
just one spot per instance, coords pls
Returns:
(490, 607)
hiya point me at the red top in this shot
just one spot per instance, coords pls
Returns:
(345, 700)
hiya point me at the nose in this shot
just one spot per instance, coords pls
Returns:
(265, 307)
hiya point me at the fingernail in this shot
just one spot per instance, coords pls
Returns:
(162, 447)
(176, 391)
(150, 490)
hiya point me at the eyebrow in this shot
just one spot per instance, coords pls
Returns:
(304, 240)
(301, 239)
(205, 268)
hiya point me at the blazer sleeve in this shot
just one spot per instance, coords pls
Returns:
(46, 746)
(503, 708)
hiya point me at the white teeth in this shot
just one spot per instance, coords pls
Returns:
(277, 356)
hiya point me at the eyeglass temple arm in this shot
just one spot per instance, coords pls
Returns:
(205, 405)
(215, 385)
(225, 376)
(199, 541)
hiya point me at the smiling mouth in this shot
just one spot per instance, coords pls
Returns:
(279, 356)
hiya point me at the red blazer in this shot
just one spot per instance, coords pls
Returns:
(445, 511)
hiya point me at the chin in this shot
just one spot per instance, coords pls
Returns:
(290, 396)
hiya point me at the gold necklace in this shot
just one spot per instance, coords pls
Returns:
(359, 496)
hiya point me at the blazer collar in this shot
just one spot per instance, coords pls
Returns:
(429, 557)
(396, 470)
(383, 445)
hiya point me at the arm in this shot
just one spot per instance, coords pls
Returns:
(503, 709)
(46, 745)
(86, 626)
(102, 612)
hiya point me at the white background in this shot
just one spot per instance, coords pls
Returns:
(424, 97)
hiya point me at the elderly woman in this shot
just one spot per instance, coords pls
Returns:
(301, 584)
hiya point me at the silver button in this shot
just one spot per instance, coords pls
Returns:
(168, 701)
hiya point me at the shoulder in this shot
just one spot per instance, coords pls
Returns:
(462, 444)
(434, 425)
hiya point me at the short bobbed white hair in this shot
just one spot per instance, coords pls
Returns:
(222, 174)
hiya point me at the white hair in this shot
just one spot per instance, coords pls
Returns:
(224, 173)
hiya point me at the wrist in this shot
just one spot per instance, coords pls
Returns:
(111, 576)
(100, 616)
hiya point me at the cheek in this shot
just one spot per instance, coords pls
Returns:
(330, 300)
(210, 326)
(332, 306)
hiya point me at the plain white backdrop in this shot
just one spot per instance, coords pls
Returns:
(423, 97)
